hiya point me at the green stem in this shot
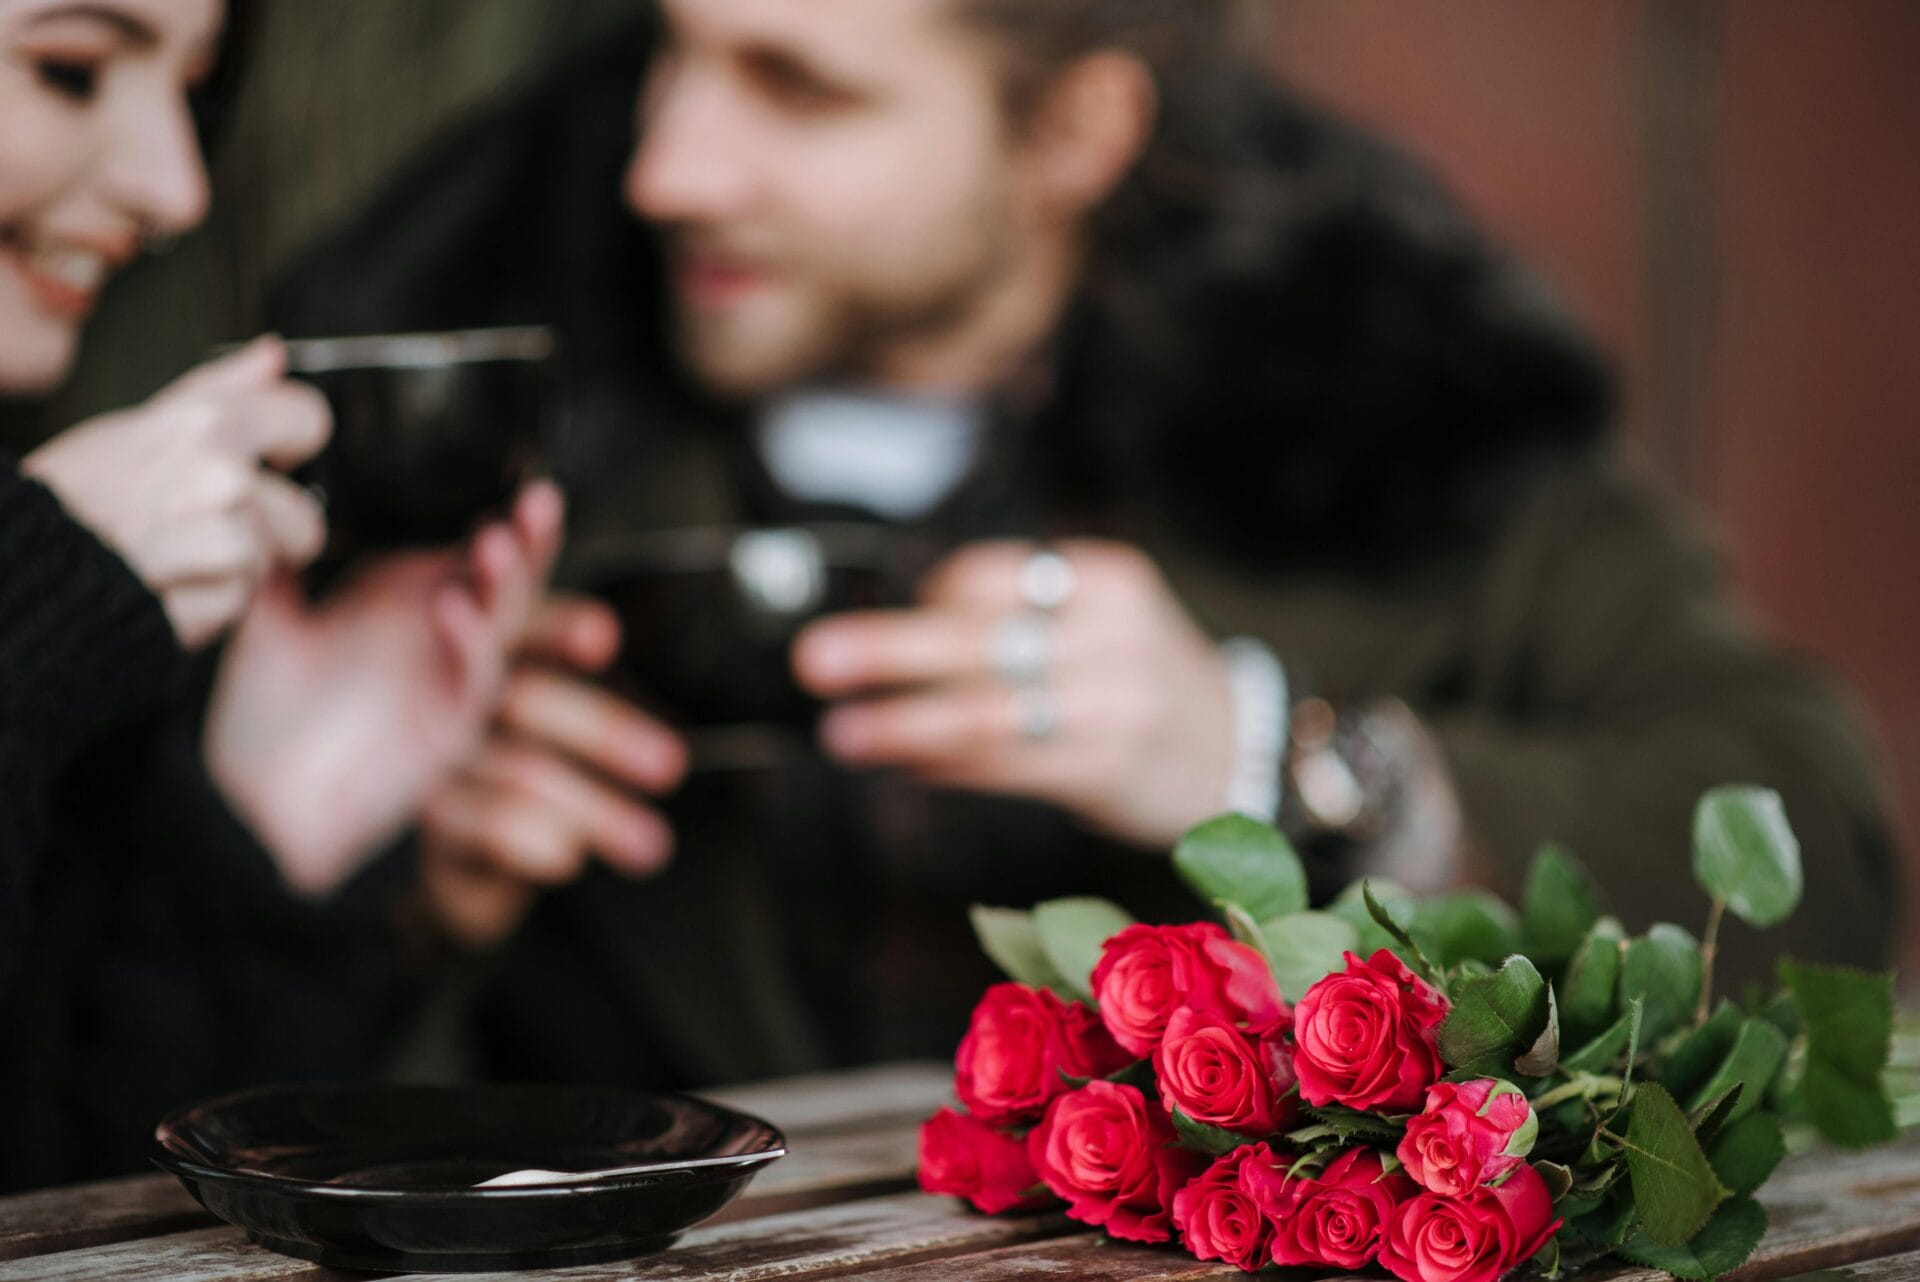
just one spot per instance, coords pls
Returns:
(1709, 945)
(1587, 1086)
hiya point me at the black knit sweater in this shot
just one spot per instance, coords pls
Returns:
(149, 953)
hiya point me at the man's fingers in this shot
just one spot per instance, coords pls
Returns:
(854, 652)
(600, 729)
(937, 728)
(627, 834)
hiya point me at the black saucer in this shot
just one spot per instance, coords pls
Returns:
(381, 1176)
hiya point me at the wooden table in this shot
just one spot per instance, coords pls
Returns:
(843, 1204)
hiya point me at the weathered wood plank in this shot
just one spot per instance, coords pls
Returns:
(1892, 1268)
(856, 1099)
(825, 1169)
(62, 1219)
(205, 1255)
(848, 1238)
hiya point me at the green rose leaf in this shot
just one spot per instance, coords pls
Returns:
(1558, 905)
(1848, 1016)
(1758, 1051)
(1745, 1153)
(1214, 1141)
(1353, 1124)
(1694, 1060)
(1710, 1117)
(1495, 1018)
(1745, 854)
(1598, 1055)
(1350, 906)
(1471, 925)
(1543, 1056)
(1557, 1178)
(1304, 948)
(1071, 932)
(1012, 942)
(1237, 860)
(1674, 1186)
(1591, 982)
(1662, 969)
(1722, 1246)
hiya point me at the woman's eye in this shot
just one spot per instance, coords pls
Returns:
(76, 80)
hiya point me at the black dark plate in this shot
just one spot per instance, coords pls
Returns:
(380, 1176)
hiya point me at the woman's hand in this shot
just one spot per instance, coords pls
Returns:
(563, 777)
(332, 724)
(1114, 706)
(180, 486)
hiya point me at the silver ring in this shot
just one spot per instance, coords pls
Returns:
(1047, 581)
(1022, 647)
(1038, 712)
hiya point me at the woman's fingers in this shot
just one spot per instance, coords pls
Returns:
(577, 631)
(593, 726)
(627, 834)
(294, 526)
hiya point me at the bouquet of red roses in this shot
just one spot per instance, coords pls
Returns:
(1456, 1088)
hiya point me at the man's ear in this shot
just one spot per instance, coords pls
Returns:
(1090, 128)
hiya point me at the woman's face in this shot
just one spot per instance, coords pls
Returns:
(97, 152)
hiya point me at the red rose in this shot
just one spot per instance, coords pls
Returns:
(1018, 1044)
(1146, 973)
(1112, 1155)
(1472, 1133)
(1475, 1238)
(962, 1156)
(1214, 1073)
(1365, 1038)
(1220, 1214)
(1337, 1218)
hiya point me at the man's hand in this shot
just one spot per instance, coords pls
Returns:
(1140, 743)
(332, 724)
(560, 779)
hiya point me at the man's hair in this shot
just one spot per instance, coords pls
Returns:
(1036, 39)
(1301, 318)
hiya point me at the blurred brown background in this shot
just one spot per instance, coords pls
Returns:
(1726, 191)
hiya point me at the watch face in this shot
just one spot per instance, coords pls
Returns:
(1330, 792)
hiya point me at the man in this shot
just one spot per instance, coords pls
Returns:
(1249, 375)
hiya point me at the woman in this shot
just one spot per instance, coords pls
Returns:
(133, 843)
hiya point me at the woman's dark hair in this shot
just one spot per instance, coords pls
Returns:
(213, 101)
(1295, 320)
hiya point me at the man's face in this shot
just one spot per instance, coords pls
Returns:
(834, 178)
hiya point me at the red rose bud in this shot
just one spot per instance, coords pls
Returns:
(1216, 1074)
(1017, 1046)
(1470, 1134)
(962, 1156)
(1365, 1038)
(1473, 1238)
(1112, 1154)
(1221, 1216)
(1146, 973)
(1339, 1218)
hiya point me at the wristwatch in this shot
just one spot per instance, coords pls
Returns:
(1343, 784)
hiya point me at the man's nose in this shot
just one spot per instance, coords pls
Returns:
(692, 161)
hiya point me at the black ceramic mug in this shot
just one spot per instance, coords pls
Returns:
(431, 432)
(709, 616)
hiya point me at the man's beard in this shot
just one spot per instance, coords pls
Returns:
(841, 334)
